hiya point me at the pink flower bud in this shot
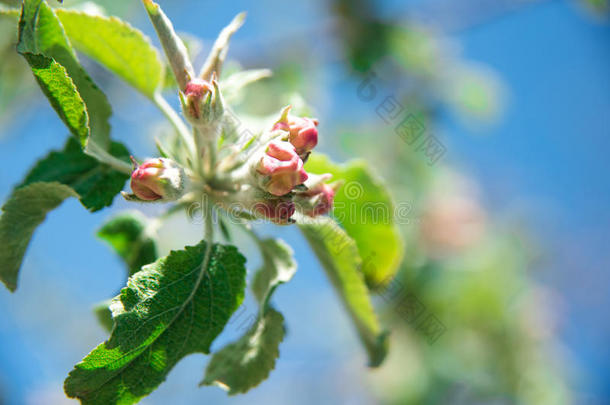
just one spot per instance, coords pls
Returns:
(282, 168)
(158, 179)
(195, 92)
(276, 210)
(303, 132)
(317, 200)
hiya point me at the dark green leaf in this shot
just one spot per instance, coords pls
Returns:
(116, 45)
(339, 257)
(96, 183)
(365, 210)
(129, 235)
(171, 308)
(243, 365)
(23, 212)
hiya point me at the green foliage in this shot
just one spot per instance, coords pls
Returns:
(95, 183)
(62, 94)
(42, 37)
(128, 235)
(116, 45)
(178, 304)
(338, 255)
(62, 174)
(242, 365)
(41, 33)
(278, 267)
(22, 213)
(169, 309)
(365, 210)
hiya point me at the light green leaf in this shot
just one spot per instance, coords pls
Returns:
(365, 210)
(62, 94)
(41, 33)
(243, 365)
(95, 183)
(233, 86)
(22, 213)
(174, 48)
(339, 257)
(130, 235)
(171, 308)
(219, 51)
(118, 46)
(278, 267)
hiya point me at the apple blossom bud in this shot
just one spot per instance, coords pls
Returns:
(158, 179)
(303, 132)
(277, 210)
(318, 200)
(281, 168)
(202, 102)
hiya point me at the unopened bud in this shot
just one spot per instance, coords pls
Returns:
(158, 179)
(318, 200)
(277, 210)
(202, 102)
(281, 168)
(303, 132)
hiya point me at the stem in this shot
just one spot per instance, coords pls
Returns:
(209, 240)
(176, 121)
(211, 157)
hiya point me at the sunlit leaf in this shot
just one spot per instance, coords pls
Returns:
(365, 210)
(278, 267)
(21, 214)
(118, 46)
(339, 257)
(243, 365)
(171, 308)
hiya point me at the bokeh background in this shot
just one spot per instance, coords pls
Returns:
(506, 234)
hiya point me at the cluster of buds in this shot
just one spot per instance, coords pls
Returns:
(157, 179)
(280, 173)
(268, 181)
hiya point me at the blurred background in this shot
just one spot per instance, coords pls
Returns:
(506, 228)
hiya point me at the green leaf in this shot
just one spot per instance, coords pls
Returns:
(243, 365)
(278, 267)
(171, 308)
(104, 315)
(65, 173)
(129, 235)
(41, 33)
(22, 213)
(118, 46)
(339, 257)
(233, 86)
(219, 51)
(95, 183)
(365, 210)
(62, 94)
(173, 46)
